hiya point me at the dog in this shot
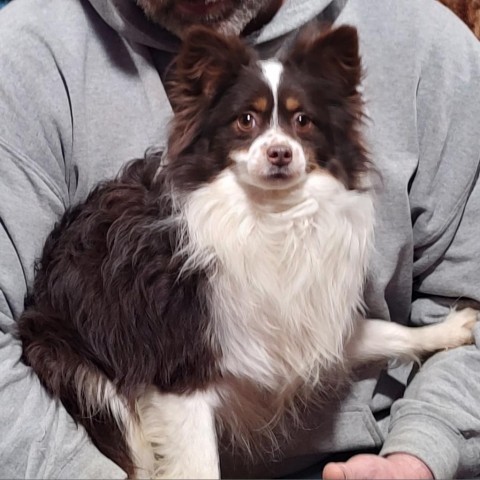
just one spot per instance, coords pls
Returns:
(202, 294)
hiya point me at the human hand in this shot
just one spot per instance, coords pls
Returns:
(395, 466)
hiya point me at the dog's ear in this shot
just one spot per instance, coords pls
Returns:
(207, 63)
(329, 61)
(208, 60)
(331, 54)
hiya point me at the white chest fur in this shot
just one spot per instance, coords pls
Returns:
(288, 273)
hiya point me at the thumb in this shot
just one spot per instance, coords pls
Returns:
(335, 471)
(360, 467)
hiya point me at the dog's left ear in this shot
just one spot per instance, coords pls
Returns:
(207, 63)
(332, 55)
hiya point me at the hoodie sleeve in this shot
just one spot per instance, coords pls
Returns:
(438, 420)
(38, 439)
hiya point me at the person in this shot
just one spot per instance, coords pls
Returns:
(81, 93)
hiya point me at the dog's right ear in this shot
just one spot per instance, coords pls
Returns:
(207, 63)
(208, 60)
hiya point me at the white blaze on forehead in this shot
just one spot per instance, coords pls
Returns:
(272, 71)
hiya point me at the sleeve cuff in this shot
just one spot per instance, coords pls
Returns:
(428, 439)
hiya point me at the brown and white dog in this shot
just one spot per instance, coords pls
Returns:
(203, 297)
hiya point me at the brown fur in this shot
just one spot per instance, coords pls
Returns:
(200, 73)
(331, 73)
(105, 294)
(258, 422)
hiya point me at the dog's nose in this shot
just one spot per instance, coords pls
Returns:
(279, 155)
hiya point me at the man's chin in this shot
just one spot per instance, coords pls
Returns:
(229, 17)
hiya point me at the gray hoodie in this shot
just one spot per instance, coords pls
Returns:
(80, 93)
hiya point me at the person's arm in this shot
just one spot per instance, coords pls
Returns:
(38, 439)
(438, 420)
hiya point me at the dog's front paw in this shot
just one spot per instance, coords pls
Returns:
(458, 327)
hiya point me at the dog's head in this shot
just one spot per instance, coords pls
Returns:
(271, 122)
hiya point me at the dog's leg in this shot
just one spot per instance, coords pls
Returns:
(380, 340)
(101, 400)
(181, 431)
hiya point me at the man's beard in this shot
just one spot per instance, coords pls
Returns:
(231, 21)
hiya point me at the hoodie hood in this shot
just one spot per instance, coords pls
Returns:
(128, 20)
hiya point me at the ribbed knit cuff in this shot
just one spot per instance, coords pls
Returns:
(428, 439)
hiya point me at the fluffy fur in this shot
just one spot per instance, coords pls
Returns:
(207, 297)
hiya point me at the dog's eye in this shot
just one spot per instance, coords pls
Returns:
(301, 121)
(246, 122)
